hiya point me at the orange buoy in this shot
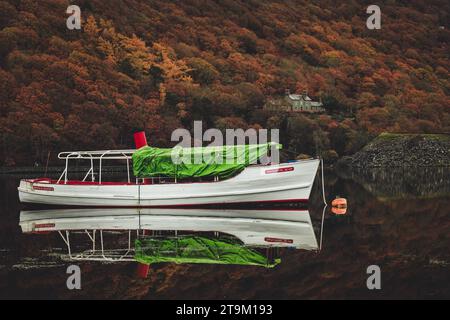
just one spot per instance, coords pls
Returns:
(339, 206)
(338, 211)
(339, 202)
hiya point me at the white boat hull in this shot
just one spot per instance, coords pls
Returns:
(289, 182)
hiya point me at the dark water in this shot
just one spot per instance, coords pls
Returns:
(398, 220)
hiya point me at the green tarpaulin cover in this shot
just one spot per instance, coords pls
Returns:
(197, 249)
(221, 161)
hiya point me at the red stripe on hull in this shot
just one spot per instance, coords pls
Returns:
(218, 205)
(228, 203)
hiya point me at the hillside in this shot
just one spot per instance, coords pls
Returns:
(159, 65)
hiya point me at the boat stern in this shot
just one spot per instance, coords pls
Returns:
(29, 189)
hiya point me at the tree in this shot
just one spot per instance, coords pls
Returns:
(202, 71)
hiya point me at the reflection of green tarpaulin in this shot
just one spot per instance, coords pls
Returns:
(197, 162)
(195, 249)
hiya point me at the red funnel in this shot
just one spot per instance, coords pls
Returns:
(139, 139)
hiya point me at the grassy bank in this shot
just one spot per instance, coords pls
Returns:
(388, 136)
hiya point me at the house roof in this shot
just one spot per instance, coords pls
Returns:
(299, 97)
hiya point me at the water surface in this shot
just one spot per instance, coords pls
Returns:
(397, 219)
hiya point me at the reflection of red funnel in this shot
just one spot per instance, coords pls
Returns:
(142, 270)
(139, 139)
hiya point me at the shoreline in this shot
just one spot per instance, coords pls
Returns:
(385, 151)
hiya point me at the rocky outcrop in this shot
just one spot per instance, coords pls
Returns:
(402, 150)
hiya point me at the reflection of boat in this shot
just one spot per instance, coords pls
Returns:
(248, 228)
(222, 183)
(253, 227)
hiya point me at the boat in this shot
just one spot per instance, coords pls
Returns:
(110, 233)
(254, 183)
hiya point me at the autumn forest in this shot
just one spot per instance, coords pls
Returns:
(159, 65)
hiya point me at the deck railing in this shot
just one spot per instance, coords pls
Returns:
(95, 155)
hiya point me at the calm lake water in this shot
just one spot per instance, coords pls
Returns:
(398, 220)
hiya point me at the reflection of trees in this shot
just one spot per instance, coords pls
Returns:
(398, 183)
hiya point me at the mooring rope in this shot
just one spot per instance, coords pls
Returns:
(324, 202)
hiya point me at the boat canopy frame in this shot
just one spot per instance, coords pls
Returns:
(99, 253)
(100, 155)
(125, 154)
